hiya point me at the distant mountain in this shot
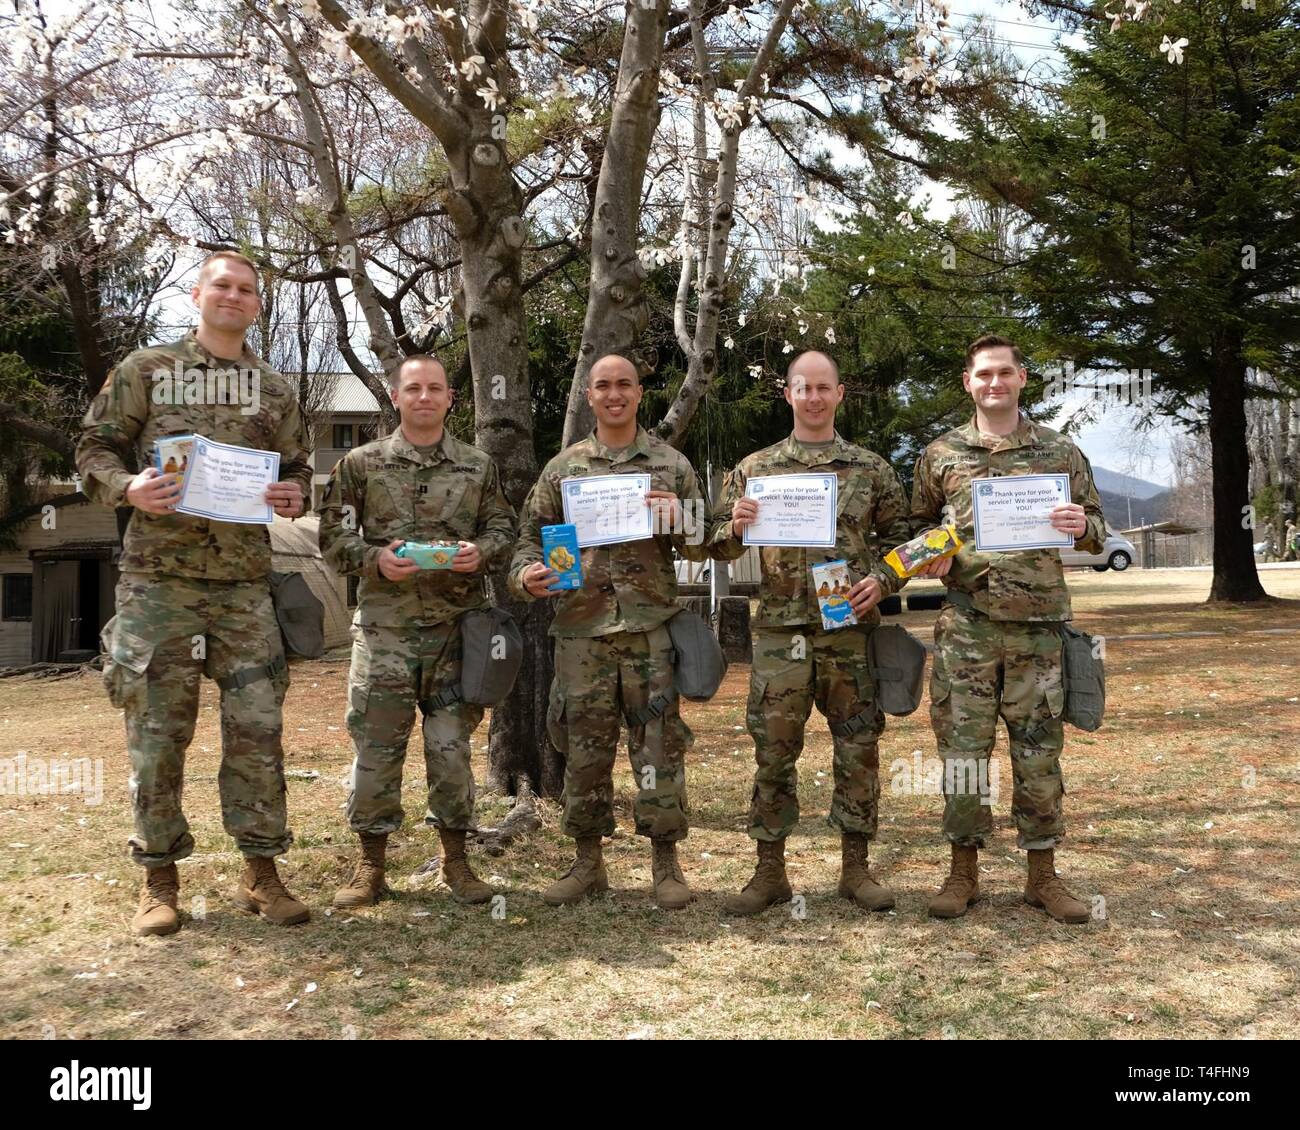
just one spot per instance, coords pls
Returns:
(1114, 482)
(1124, 512)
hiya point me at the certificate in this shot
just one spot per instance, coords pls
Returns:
(607, 509)
(229, 483)
(793, 510)
(1012, 512)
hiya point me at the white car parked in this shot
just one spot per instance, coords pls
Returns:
(1117, 553)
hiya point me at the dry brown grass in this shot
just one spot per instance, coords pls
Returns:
(1200, 936)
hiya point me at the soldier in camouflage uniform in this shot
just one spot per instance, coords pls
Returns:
(193, 598)
(997, 643)
(798, 663)
(419, 484)
(613, 657)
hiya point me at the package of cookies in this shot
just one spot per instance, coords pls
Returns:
(832, 582)
(560, 554)
(429, 555)
(922, 549)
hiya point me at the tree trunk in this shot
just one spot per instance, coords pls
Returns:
(87, 324)
(1287, 439)
(520, 752)
(1235, 576)
(617, 313)
(484, 203)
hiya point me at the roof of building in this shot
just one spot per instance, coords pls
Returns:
(348, 393)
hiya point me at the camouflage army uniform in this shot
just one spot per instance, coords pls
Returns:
(406, 648)
(997, 644)
(193, 598)
(797, 662)
(612, 651)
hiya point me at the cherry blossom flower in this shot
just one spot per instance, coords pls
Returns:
(490, 95)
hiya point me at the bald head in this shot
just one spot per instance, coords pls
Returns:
(614, 391)
(813, 364)
(611, 367)
(813, 391)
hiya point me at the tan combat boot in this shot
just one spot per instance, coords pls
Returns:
(261, 892)
(465, 885)
(585, 877)
(1045, 889)
(769, 884)
(157, 913)
(856, 881)
(961, 888)
(671, 891)
(367, 885)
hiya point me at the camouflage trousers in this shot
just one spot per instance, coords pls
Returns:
(795, 667)
(167, 633)
(393, 671)
(598, 682)
(983, 668)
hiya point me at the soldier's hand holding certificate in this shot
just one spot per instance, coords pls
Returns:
(607, 508)
(228, 483)
(1015, 512)
(793, 510)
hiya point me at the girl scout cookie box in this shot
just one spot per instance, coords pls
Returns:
(560, 554)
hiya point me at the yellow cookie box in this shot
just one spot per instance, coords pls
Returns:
(932, 545)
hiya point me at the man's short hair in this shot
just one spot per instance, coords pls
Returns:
(795, 361)
(428, 358)
(234, 257)
(993, 341)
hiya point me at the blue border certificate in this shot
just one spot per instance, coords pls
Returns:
(229, 483)
(1011, 512)
(607, 509)
(794, 510)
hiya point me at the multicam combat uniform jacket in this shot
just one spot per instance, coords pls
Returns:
(387, 490)
(870, 501)
(141, 401)
(629, 586)
(1021, 585)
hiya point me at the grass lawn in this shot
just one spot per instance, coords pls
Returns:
(1183, 816)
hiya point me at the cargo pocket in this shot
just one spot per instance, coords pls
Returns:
(754, 708)
(556, 718)
(866, 690)
(940, 704)
(358, 700)
(1048, 708)
(1054, 698)
(126, 665)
